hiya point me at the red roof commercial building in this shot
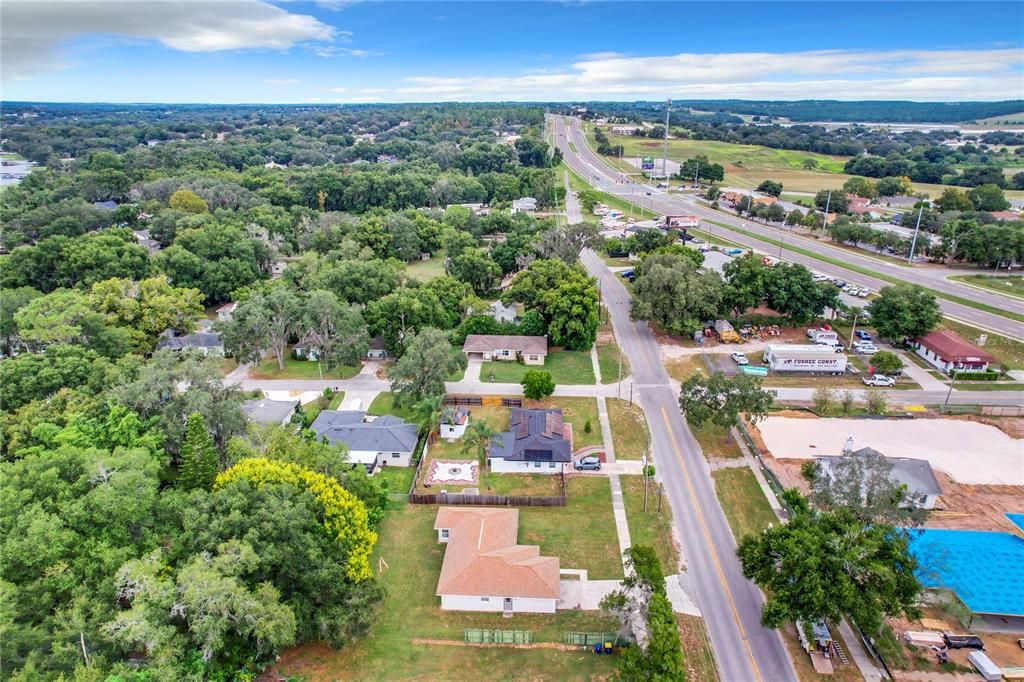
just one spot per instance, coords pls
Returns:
(947, 351)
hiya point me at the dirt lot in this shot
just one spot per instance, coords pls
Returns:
(1002, 648)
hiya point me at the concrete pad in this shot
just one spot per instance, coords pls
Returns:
(970, 452)
(303, 397)
(569, 594)
(593, 591)
(682, 602)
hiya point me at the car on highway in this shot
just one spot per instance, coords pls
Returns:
(740, 358)
(862, 335)
(734, 252)
(879, 380)
(588, 463)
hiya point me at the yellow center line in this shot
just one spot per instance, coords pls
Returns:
(714, 555)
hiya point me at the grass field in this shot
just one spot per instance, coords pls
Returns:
(608, 361)
(408, 543)
(582, 533)
(1010, 352)
(629, 429)
(716, 441)
(426, 270)
(651, 528)
(698, 658)
(300, 369)
(1012, 285)
(576, 411)
(743, 501)
(735, 156)
(577, 183)
(746, 166)
(497, 418)
(384, 403)
(565, 366)
(682, 368)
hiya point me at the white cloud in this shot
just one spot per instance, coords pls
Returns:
(832, 74)
(337, 89)
(334, 51)
(281, 81)
(34, 30)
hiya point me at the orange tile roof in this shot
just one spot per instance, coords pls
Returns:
(483, 558)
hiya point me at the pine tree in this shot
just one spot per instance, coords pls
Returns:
(199, 462)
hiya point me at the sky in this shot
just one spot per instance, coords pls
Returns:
(327, 51)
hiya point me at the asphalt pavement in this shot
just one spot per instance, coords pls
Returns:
(591, 167)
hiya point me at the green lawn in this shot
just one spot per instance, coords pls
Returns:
(496, 417)
(1010, 352)
(300, 369)
(651, 528)
(408, 544)
(384, 403)
(629, 429)
(577, 183)
(608, 361)
(399, 479)
(565, 366)
(336, 401)
(426, 270)
(745, 506)
(1012, 285)
(576, 411)
(582, 533)
(716, 441)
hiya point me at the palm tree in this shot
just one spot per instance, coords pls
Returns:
(428, 413)
(478, 436)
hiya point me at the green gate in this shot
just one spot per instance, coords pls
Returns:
(589, 639)
(474, 636)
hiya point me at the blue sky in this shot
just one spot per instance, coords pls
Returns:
(337, 51)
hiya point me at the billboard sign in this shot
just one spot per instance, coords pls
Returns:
(647, 163)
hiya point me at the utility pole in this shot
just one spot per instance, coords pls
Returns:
(824, 221)
(664, 162)
(854, 330)
(618, 385)
(913, 243)
(644, 463)
(949, 392)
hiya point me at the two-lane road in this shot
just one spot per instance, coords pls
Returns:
(584, 161)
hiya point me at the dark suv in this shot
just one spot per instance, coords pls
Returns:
(590, 463)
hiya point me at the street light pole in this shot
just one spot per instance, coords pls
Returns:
(854, 330)
(664, 162)
(913, 243)
(824, 221)
(949, 392)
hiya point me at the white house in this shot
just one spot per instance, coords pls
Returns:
(532, 350)
(225, 312)
(373, 441)
(524, 205)
(948, 351)
(503, 313)
(484, 567)
(454, 422)
(538, 443)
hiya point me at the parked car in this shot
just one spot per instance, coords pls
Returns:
(588, 463)
(879, 380)
(740, 358)
(862, 335)
(865, 348)
(840, 283)
(626, 274)
(734, 252)
(697, 240)
(864, 292)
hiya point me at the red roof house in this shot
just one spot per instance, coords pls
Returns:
(947, 351)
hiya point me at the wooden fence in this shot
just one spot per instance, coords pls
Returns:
(487, 500)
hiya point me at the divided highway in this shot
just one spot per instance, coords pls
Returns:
(584, 161)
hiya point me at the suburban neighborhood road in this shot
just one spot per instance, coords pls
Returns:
(731, 605)
(584, 161)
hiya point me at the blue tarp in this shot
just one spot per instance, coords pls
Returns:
(984, 569)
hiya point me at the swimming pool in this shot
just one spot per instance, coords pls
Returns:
(985, 569)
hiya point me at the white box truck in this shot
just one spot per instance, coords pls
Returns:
(825, 336)
(804, 358)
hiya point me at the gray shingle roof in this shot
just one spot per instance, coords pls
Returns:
(536, 436)
(197, 340)
(269, 411)
(916, 474)
(379, 434)
(485, 343)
